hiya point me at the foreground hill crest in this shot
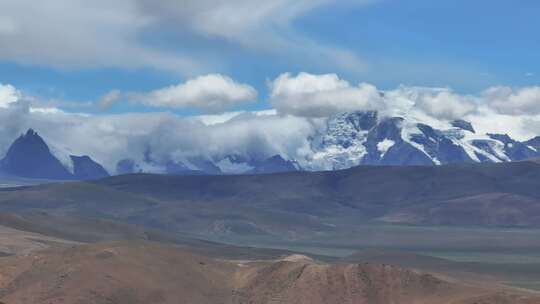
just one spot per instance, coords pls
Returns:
(140, 272)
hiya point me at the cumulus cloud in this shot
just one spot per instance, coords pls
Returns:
(321, 95)
(439, 103)
(8, 95)
(520, 101)
(324, 95)
(211, 93)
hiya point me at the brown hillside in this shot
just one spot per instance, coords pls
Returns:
(141, 272)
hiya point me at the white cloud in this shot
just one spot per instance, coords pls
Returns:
(107, 100)
(122, 33)
(46, 110)
(212, 93)
(520, 101)
(214, 119)
(519, 127)
(110, 138)
(321, 95)
(8, 95)
(439, 103)
(74, 33)
(233, 19)
(259, 25)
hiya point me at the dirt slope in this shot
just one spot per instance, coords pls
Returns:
(141, 272)
(312, 283)
(114, 273)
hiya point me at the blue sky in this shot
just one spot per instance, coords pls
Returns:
(112, 79)
(465, 45)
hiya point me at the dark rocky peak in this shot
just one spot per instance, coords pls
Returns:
(204, 165)
(504, 138)
(534, 143)
(362, 120)
(29, 156)
(274, 164)
(127, 166)
(236, 158)
(85, 168)
(428, 131)
(515, 150)
(463, 124)
(30, 142)
(177, 168)
(389, 128)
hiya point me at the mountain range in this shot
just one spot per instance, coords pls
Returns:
(365, 138)
(157, 235)
(346, 140)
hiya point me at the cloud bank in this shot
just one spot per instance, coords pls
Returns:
(302, 104)
(514, 101)
(161, 136)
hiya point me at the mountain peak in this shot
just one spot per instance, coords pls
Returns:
(463, 124)
(274, 164)
(86, 168)
(30, 133)
(30, 142)
(29, 156)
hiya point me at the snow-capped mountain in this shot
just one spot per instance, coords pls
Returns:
(230, 164)
(361, 138)
(342, 141)
(29, 156)
(364, 138)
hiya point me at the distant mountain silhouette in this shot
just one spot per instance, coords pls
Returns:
(350, 139)
(29, 156)
(85, 168)
(274, 164)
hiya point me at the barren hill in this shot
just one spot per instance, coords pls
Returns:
(142, 272)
